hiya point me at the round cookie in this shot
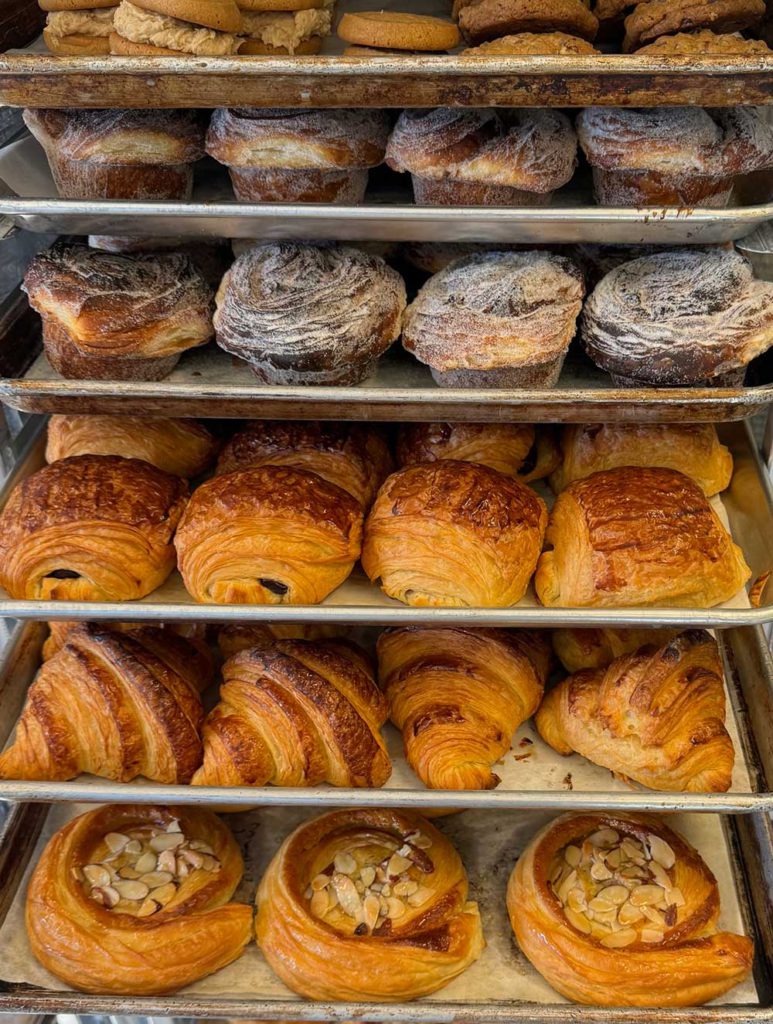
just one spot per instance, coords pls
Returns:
(281, 5)
(559, 43)
(76, 45)
(490, 19)
(703, 43)
(257, 48)
(398, 31)
(221, 15)
(75, 5)
(373, 51)
(667, 17)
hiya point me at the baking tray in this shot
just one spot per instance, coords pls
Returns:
(533, 775)
(747, 506)
(28, 200)
(37, 79)
(501, 986)
(207, 382)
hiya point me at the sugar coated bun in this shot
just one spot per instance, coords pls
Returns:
(222, 15)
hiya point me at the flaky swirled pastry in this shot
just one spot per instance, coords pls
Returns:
(454, 534)
(620, 910)
(458, 695)
(113, 704)
(296, 713)
(101, 931)
(691, 448)
(271, 535)
(656, 716)
(327, 940)
(637, 536)
(242, 636)
(182, 447)
(596, 648)
(195, 632)
(90, 528)
(355, 456)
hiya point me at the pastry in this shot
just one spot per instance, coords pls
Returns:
(116, 705)
(597, 259)
(612, 953)
(496, 320)
(296, 713)
(704, 42)
(100, 929)
(194, 632)
(428, 258)
(515, 449)
(453, 534)
(691, 448)
(657, 18)
(549, 43)
(287, 30)
(458, 695)
(76, 28)
(327, 941)
(119, 154)
(596, 648)
(211, 257)
(270, 535)
(472, 157)
(306, 314)
(672, 156)
(243, 636)
(182, 447)
(298, 156)
(481, 20)
(173, 28)
(90, 528)
(635, 536)
(396, 30)
(353, 456)
(111, 317)
(677, 318)
(656, 716)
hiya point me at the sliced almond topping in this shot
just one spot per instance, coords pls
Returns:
(164, 893)
(201, 846)
(577, 901)
(320, 903)
(615, 894)
(421, 841)
(127, 872)
(600, 872)
(347, 894)
(166, 861)
(566, 886)
(599, 905)
(173, 826)
(628, 914)
(129, 890)
(116, 841)
(572, 855)
(192, 858)
(646, 895)
(345, 863)
(395, 908)
(660, 875)
(155, 878)
(397, 865)
(320, 882)
(146, 862)
(133, 846)
(407, 888)
(661, 851)
(370, 908)
(148, 907)
(604, 837)
(97, 874)
(619, 939)
(166, 841)
(368, 876)
(675, 896)
(421, 895)
(578, 921)
(652, 935)
(653, 915)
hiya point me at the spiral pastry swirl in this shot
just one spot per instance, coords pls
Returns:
(326, 940)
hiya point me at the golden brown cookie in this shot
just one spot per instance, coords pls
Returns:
(256, 48)
(705, 42)
(398, 31)
(533, 43)
(609, 10)
(281, 5)
(667, 17)
(123, 47)
(76, 44)
(481, 20)
(375, 51)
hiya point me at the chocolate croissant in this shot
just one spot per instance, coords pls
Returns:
(458, 695)
(112, 704)
(637, 536)
(656, 716)
(132, 900)
(90, 528)
(620, 910)
(242, 636)
(367, 904)
(596, 648)
(296, 713)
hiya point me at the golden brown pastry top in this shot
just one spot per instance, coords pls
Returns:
(595, 648)
(549, 43)
(120, 136)
(501, 446)
(703, 42)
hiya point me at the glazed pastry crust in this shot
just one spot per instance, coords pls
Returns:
(116, 705)
(694, 964)
(424, 949)
(693, 449)
(107, 519)
(634, 536)
(182, 447)
(596, 648)
(665, 17)
(656, 716)
(98, 950)
(296, 713)
(270, 535)
(353, 456)
(459, 695)
(453, 534)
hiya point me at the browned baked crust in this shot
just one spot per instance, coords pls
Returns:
(665, 17)
(559, 43)
(703, 42)
(90, 527)
(221, 15)
(480, 20)
(501, 446)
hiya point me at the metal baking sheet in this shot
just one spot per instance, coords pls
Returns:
(209, 383)
(501, 985)
(746, 506)
(37, 79)
(28, 199)
(533, 775)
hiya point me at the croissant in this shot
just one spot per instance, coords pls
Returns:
(458, 695)
(620, 910)
(656, 716)
(117, 705)
(182, 447)
(637, 536)
(595, 648)
(90, 528)
(296, 713)
(196, 632)
(241, 636)
(691, 448)
(134, 900)
(327, 940)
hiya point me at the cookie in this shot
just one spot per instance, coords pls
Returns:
(281, 5)
(393, 30)
(696, 44)
(481, 20)
(549, 43)
(667, 17)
